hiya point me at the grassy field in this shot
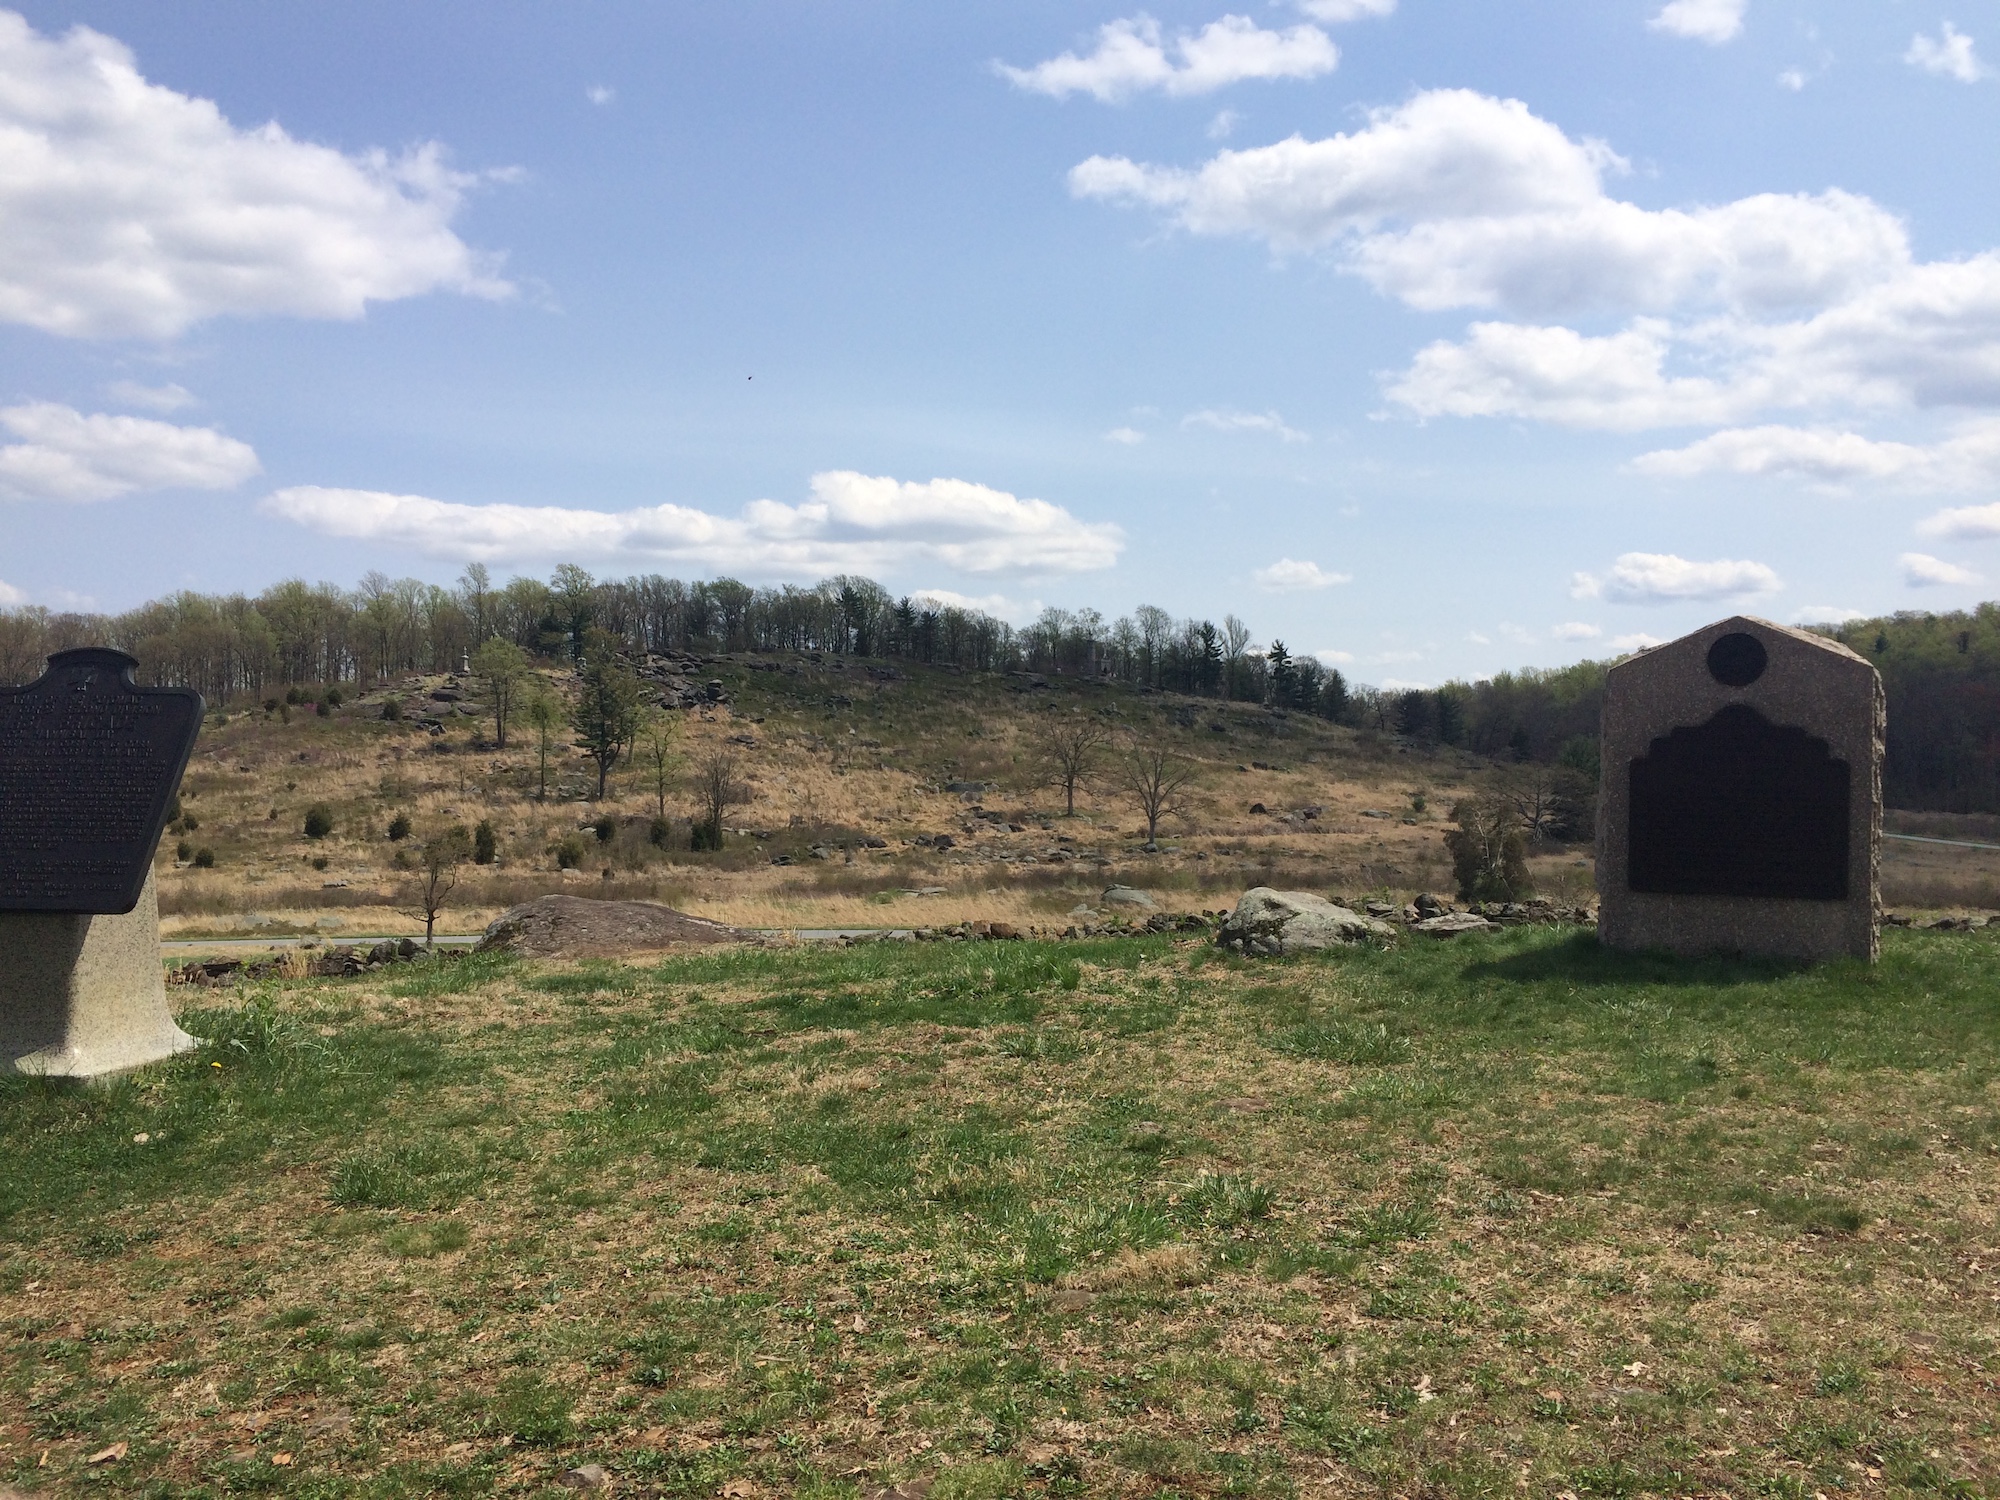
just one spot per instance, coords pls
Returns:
(1508, 1216)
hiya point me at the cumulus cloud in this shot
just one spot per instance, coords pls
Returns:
(1133, 56)
(1827, 614)
(599, 93)
(65, 455)
(1336, 12)
(1711, 21)
(1969, 459)
(1129, 436)
(11, 597)
(1331, 658)
(1922, 571)
(852, 523)
(160, 398)
(1288, 575)
(1949, 54)
(1575, 630)
(1000, 606)
(1625, 645)
(1245, 421)
(1965, 523)
(131, 209)
(1454, 199)
(1404, 685)
(1662, 578)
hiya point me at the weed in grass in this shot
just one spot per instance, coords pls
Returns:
(420, 1174)
(1357, 1044)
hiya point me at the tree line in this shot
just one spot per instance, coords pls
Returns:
(299, 634)
(1942, 672)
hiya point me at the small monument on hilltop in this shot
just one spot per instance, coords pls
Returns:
(1741, 804)
(89, 763)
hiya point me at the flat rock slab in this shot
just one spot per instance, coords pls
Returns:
(571, 927)
(1276, 923)
(1453, 923)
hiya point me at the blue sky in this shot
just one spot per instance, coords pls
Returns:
(1436, 338)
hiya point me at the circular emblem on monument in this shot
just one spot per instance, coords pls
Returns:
(1737, 659)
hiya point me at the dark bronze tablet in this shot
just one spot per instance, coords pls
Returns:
(89, 763)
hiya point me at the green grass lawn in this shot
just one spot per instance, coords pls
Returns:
(1506, 1216)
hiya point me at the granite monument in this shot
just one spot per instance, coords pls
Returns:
(1741, 803)
(89, 765)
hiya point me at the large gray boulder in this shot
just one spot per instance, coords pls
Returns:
(1275, 923)
(573, 927)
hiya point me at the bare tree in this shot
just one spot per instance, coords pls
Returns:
(1235, 641)
(544, 710)
(659, 742)
(717, 788)
(1069, 745)
(438, 862)
(1156, 778)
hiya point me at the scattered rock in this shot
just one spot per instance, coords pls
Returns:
(1124, 895)
(584, 1477)
(1004, 930)
(1279, 923)
(571, 927)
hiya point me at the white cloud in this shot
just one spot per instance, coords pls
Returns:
(1129, 436)
(1625, 645)
(1948, 55)
(1132, 57)
(1000, 606)
(1966, 523)
(66, 455)
(160, 398)
(1969, 459)
(1827, 614)
(853, 523)
(1288, 575)
(1335, 12)
(1792, 79)
(1332, 658)
(599, 93)
(1457, 200)
(1477, 639)
(131, 209)
(1711, 21)
(1922, 571)
(1224, 124)
(1403, 685)
(1576, 630)
(1662, 578)
(11, 597)
(1245, 421)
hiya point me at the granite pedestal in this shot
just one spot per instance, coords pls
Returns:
(82, 995)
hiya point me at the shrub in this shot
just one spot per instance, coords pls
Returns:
(184, 851)
(606, 828)
(331, 697)
(319, 821)
(319, 862)
(1488, 851)
(484, 846)
(399, 828)
(569, 853)
(204, 859)
(323, 708)
(661, 834)
(392, 710)
(294, 697)
(189, 822)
